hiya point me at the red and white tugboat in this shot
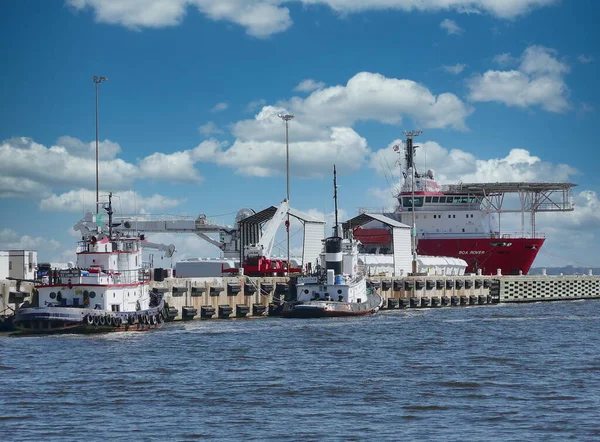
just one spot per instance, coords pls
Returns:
(463, 220)
(107, 289)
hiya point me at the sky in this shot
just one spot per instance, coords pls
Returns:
(503, 90)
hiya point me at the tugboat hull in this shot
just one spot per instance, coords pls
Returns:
(47, 320)
(331, 309)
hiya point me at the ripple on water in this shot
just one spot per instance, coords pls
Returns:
(493, 374)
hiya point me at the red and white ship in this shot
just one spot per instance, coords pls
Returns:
(464, 220)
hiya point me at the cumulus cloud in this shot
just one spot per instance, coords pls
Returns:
(11, 240)
(32, 170)
(253, 105)
(219, 107)
(454, 165)
(371, 96)
(262, 18)
(585, 59)
(504, 59)
(539, 81)
(124, 202)
(57, 166)
(309, 85)
(451, 27)
(455, 68)
(209, 129)
(321, 132)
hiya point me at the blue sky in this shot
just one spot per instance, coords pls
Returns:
(504, 90)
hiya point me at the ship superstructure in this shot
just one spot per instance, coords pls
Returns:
(464, 220)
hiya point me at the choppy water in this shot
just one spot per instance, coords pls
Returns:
(510, 372)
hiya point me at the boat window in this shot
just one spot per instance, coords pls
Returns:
(457, 200)
(442, 199)
(464, 200)
(473, 200)
(436, 199)
(407, 201)
(428, 199)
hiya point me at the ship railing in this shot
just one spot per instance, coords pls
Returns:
(362, 210)
(490, 235)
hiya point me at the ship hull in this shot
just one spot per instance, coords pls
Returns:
(57, 319)
(331, 309)
(510, 255)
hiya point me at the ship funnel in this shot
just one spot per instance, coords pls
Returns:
(333, 254)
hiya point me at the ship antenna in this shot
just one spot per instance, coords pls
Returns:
(410, 151)
(335, 201)
(109, 210)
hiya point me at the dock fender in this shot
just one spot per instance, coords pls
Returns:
(89, 319)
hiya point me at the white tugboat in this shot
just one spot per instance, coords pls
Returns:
(107, 289)
(339, 289)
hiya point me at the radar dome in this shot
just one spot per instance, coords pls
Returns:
(243, 214)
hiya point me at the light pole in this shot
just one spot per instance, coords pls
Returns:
(97, 81)
(410, 159)
(287, 118)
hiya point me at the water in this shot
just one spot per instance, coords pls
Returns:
(509, 372)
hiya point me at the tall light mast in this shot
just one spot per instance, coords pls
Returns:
(97, 81)
(287, 118)
(410, 163)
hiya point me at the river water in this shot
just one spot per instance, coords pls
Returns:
(500, 373)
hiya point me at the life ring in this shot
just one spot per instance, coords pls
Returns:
(89, 319)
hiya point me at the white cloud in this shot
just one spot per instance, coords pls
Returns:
(321, 133)
(454, 165)
(253, 105)
(500, 8)
(209, 128)
(57, 167)
(219, 107)
(32, 170)
(309, 85)
(538, 81)
(451, 27)
(504, 59)
(107, 150)
(11, 240)
(585, 59)
(455, 69)
(124, 202)
(176, 167)
(262, 18)
(371, 96)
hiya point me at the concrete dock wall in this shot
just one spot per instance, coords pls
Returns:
(437, 291)
(548, 288)
(205, 298)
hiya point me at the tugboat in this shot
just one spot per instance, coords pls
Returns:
(339, 289)
(106, 290)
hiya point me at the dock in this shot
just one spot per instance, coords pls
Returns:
(246, 297)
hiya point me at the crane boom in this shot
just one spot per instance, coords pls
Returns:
(264, 246)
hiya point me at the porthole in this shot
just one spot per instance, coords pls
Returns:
(52, 295)
(92, 294)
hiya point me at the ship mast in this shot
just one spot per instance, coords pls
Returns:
(336, 228)
(410, 164)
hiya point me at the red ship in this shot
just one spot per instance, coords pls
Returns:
(463, 220)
